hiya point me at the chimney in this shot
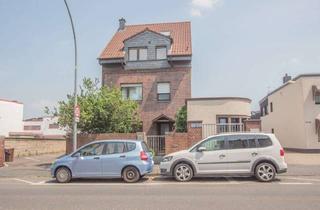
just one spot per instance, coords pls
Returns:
(286, 78)
(122, 24)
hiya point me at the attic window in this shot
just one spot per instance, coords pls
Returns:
(166, 33)
(161, 53)
(136, 54)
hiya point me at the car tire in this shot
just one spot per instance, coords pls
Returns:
(183, 172)
(63, 175)
(265, 172)
(131, 174)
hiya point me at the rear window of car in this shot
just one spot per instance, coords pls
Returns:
(145, 147)
(252, 143)
(241, 141)
(238, 144)
(115, 147)
(131, 146)
(264, 141)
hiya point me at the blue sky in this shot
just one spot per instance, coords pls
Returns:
(240, 48)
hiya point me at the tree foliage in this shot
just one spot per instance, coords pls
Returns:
(181, 120)
(103, 110)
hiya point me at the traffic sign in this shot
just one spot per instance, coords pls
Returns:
(77, 113)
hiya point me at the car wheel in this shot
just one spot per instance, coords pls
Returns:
(130, 174)
(265, 172)
(183, 172)
(63, 175)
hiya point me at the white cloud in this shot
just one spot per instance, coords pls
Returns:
(197, 6)
(195, 12)
(204, 3)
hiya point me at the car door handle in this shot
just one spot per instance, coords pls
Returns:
(122, 156)
(254, 154)
(222, 156)
(96, 158)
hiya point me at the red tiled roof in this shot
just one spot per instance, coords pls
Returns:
(180, 33)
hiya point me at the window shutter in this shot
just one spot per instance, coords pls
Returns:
(163, 87)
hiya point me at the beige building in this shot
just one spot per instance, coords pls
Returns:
(292, 112)
(219, 114)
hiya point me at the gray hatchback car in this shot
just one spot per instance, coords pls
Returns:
(249, 154)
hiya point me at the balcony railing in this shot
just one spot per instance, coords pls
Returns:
(213, 129)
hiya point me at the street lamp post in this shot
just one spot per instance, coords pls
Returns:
(74, 130)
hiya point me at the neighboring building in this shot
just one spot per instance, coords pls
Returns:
(11, 116)
(292, 112)
(218, 115)
(46, 127)
(151, 63)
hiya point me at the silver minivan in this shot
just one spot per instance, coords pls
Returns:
(242, 154)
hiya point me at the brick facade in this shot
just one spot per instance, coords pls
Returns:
(179, 141)
(30, 147)
(252, 125)
(150, 108)
(1, 152)
(84, 139)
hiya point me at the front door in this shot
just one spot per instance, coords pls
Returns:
(242, 152)
(88, 164)
(163, 128)
(214, 159)
(114, 159)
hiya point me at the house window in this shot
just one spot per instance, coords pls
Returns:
(196, 124)
(317, 99)
(54, 126)
(131, 91)
(271, 107)
(143, 53)
(161, 53)
(32, 127)
(163, 91)
(133, 54)
(136, 54)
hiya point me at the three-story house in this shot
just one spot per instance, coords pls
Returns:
(151, 64)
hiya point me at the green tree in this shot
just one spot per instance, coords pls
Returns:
(103, 110)
(181, 120)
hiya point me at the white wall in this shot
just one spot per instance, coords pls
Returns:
(294, 113)
(11, 116)
(208, 110)
(311, 111)
(44, 123)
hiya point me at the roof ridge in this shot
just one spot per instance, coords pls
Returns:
(146, 24)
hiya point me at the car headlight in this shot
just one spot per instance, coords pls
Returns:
(167, 158)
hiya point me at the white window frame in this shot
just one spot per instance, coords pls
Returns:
(138, 51)
(163, 91)
(129, 54)
(127, 87)
(157, 53)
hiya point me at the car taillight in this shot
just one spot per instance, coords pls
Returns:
(281, 152)
(143, 155)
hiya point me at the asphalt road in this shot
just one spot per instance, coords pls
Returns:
(26, 184)
(224, 193)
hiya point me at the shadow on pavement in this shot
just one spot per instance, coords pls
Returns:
(102, 181)
(210, 179)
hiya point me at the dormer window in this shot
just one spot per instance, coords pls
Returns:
(138, 54)
(161, 53)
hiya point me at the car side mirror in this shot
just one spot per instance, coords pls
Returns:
(201, 149)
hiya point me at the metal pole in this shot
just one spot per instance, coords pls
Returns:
(74, 130)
